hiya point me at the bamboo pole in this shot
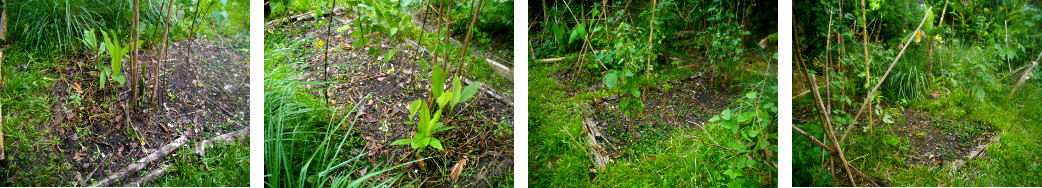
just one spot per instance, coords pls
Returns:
(466, 40)
(134, 69)
(162, 55)
(2, 85)
(651, 35)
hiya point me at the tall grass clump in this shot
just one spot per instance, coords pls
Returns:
(305, 141)
(908, 79)
(57, 24)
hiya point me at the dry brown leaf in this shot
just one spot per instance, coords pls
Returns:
(457, 169)
(76, 86)
(80, 156)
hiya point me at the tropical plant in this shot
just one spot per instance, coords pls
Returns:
(429, 123)
(116, 52)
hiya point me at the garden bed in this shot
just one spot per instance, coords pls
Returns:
(383, 88)
(206, 97)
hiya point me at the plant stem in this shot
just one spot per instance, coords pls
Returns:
(325, 69)
(162, 55)
(466, 40)
(134, 69)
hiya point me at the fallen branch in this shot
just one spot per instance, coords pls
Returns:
(302, 17)
(200, 148)
(141, 163)
(1027, 74)
(151, 175)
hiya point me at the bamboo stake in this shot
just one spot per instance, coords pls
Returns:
(325, 56)
(651, 35)
(466, 40)
(881, 79)
(2, 85)
(864, 38)
(134, 69)
(162, 55)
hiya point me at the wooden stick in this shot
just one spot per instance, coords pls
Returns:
(2, 85)
(142, 163)
(200, 148)
(880, 83)
(151, 175)
(162, 55)
(1024, 77)
(325, 56)
(466, 39)
(134, 69)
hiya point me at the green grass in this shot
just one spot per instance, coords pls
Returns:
(225, 165)
(59, 24)
(1011, 162)
(306, 143)
(661, 158)
(27, 107)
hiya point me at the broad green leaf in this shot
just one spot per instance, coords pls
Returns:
(469, 91)
(611, 79)
(389, 54)
(457, 89)
(437, 81)
(635, 92)
(726, 114)
(444, 99)
(413, 107)
(436, 144)
(402, 142)
(750, 95)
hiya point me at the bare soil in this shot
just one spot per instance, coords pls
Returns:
(199, 99)
(690, 102)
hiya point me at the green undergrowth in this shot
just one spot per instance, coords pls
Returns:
(224, 165)
(662, 157)
(31, 151)
(1013, 161)
(308, 144)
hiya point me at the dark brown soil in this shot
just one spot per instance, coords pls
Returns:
(690, 102)
(936, 141)
(198, 99)
(384, 88)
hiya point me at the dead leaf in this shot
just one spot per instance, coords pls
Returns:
(76, 86)
(119, 151)
(381, 78)
(457, 169)
(80, 156)
(371, 120)
(70, 115)
(650, 158)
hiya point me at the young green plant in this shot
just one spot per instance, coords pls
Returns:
(429, 123)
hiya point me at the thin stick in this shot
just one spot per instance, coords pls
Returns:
(651, 35)
(134, 69)
(466, 40)
(881, 79)
(2, 84)
(325, 69)
(162, 55)
(151, 175)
